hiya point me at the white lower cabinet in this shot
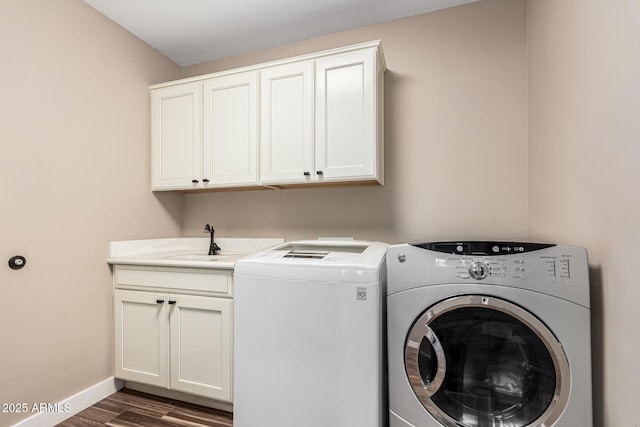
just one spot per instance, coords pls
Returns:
(175, 341)
(200, 342)
(142, 337)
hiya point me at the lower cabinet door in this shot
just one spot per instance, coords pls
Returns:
(141, 337)
(201, 345)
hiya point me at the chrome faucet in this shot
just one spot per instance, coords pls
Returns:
(213, 247)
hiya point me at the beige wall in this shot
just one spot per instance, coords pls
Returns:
(74, 174)
(461, 103)
(455, 135)
(584, 161)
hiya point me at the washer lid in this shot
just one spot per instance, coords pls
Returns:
(317, 252)
(317, 260)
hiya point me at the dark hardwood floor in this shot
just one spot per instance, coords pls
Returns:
(129, 408)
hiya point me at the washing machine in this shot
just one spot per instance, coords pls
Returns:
(309, 339)
(488, 334)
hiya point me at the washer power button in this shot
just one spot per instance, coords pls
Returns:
(478, 270)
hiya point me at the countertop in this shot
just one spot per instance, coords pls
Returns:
(186, 252)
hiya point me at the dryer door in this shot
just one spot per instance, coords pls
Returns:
(481, 361)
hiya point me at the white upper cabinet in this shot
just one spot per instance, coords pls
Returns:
(231, 130)
(348, 143)
(205, 133)
(312, 119)
(286, 123)
(176, 138)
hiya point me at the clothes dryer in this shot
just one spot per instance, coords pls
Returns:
(488, 334)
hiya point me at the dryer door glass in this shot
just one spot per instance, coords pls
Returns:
(501, 366)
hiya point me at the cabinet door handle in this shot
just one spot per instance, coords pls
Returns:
(319, 173)
(171, 302)
(307, 173)
(195, 181)
(205, 180)
(159, 301)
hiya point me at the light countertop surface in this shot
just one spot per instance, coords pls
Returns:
(186, 252)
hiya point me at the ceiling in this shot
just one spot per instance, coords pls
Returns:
(195, 31)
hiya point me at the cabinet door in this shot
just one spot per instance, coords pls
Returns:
(201, 346)
(176, 136)
(141, 337)
(346, 117)
(231, 130)
(286, 124)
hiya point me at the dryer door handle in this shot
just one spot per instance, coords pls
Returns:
(424, 388)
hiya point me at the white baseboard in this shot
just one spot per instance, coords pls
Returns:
(52, 414)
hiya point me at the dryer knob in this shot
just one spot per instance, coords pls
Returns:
(478, 270)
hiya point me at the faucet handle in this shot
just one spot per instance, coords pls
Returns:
(208, 229)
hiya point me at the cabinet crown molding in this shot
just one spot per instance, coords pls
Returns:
(315, 55)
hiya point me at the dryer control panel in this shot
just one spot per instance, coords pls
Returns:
(556, 267)
(481, 259)
(552, 269)
(483, 247)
